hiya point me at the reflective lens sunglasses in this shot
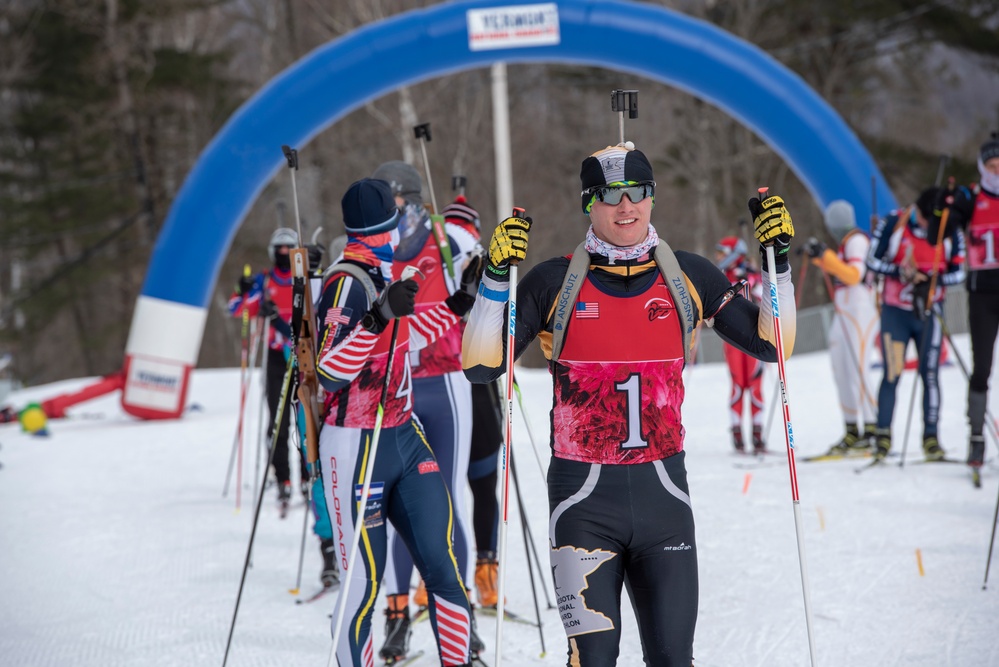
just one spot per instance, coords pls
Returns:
(611, 194)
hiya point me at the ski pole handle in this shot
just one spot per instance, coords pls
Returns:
(422, 132)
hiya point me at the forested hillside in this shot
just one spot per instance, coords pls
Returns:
(106, 104)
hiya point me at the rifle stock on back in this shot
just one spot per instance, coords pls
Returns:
(303, 329)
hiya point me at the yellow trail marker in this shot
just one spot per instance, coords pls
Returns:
(919, 563)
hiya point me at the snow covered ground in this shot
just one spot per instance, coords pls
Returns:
(117, 547)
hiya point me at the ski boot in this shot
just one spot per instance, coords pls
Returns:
(976, 454)
(397, 630)
(284, 498)
(882, 443)
(330, 576)
(932, 449)
(847, 443)
(869, 437)
(759, 447)
(486, 569)
(976, 458)
(475, 643)
(740, 446)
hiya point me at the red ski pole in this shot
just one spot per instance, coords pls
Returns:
(788, 435)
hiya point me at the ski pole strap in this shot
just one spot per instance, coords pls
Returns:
(579, 266)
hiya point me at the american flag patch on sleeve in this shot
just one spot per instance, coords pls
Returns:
(337, 317)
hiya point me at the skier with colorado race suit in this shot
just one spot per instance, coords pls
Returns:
(368, 326)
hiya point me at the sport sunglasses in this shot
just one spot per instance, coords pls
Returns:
(611, 194)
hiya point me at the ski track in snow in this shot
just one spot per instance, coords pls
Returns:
(117, 548)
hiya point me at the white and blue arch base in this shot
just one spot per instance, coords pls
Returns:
(364, 65)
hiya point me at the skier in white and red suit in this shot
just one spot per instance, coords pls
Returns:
(616, 333)
(853, 332)
(746, 371)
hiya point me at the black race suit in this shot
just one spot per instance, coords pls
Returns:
(620, 508)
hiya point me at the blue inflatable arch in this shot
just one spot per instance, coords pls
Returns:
(335, 79)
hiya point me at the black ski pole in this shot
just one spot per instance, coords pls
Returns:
(874, 203)
(264, 362)
(920, 355)
(941, 165)
(527, 553)
(285, 390)
(305, 520)
(992, 541)
(422, 132)
(529, 536)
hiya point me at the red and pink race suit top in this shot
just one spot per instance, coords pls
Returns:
(927, 259)
(444, 354)
(351, 361)
(983, 234)
(618, 385)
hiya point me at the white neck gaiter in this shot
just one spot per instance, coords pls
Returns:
(614, 253)
(989, 181)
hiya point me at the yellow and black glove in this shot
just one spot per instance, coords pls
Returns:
(508, 245)
(772, 226)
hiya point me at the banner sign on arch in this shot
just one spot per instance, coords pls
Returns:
(513, 27)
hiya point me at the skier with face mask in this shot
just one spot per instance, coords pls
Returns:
(268, 295)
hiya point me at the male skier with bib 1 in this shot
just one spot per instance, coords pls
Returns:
(615, 322)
